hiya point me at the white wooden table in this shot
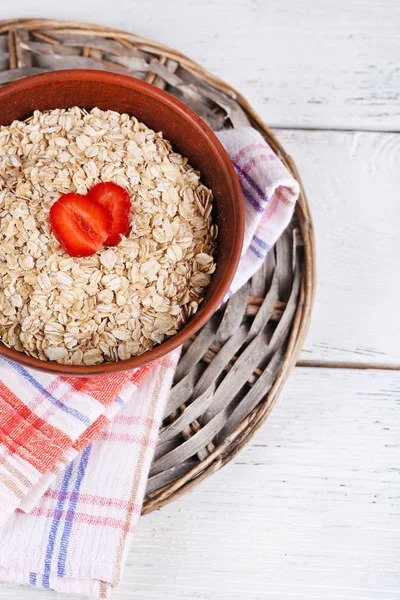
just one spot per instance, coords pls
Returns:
(310, 509)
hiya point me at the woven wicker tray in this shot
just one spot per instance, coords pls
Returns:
(231, 373)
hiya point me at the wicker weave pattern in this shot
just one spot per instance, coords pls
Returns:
(231, 373)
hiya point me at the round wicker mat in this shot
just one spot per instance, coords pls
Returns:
(231, 373)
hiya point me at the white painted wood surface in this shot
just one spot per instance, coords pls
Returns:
(352, 181)
(300, 64)
(310, 509)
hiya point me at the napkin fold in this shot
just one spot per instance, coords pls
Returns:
(75, 453)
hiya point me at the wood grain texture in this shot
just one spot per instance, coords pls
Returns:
(309, 510)
(352, 181)
(300, 64)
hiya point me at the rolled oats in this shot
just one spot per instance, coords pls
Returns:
(123, 300)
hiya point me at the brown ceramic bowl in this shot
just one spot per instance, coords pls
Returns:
(189, 135)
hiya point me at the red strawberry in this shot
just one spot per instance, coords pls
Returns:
(80, 224)
(118, 202)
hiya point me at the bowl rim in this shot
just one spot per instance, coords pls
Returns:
(159, 351)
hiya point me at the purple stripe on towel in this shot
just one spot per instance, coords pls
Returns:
(261, 243)
(257, 252)
(54, 528)
(62, 556)
(251, 182)
(250, 198)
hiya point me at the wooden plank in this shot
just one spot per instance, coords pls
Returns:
(307, 511)
(352, 181)
(300, 64)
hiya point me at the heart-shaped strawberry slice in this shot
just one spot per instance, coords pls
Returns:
(118, 202)
(80, 224)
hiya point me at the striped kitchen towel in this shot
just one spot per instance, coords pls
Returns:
(75, 539)
(75, 453)
(269, 192)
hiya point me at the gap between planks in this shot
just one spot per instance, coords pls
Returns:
(320, 364)
(335, 129)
